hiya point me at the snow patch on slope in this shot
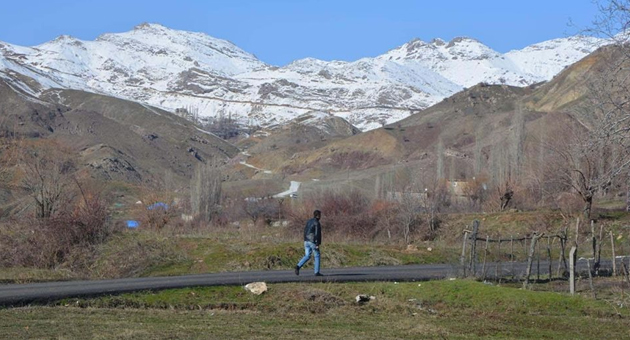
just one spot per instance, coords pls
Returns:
(174, 69)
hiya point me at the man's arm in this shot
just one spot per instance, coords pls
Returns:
(318, 234)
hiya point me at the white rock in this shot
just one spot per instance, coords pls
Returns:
(256, 287)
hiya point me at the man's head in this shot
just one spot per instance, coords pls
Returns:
(317, 214)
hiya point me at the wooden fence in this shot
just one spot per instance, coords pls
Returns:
(536, 254)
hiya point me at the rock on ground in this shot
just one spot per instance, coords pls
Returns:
(256, 287)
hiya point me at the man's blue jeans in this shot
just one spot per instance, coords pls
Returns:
(309, 247)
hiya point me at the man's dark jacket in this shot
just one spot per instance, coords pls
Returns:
(313, 231)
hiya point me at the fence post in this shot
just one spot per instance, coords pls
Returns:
(572, 260)
(537, 262)
(525, 251)
(473, 249)
(485, 257)
(598, 260)
(593, 240)
(549, 257)
(512, 253)
(462, 259)
(563, 244)
(625, 272)
(530, 257)
(614, 258)
(590, 278)
(499, 261)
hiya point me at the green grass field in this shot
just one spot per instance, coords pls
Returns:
(459, 309)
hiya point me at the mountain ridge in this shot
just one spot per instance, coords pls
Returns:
(174, 69)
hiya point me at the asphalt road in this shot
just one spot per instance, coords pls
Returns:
(21, 294)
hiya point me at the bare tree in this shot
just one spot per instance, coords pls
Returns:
(7, 159)
(518, 143)
(476, 191)
(261, 208)
(440, 158)
(423, 198)
(205, 190)
(409, 210)
(47, 176)
(436, 198)
(586, 164)
(223, 126)
(608, 96)
(477, 156)
(505, 193)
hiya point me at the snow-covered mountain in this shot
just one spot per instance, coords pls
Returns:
(175, 69)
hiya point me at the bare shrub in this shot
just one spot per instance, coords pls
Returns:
(49, 242)
(259, 209)
(353, 215)
(386, 214)
(134, 255)
(232, 209)
(156, 210)
(476, 191)
(424, 198)
(156, 218)
(409, 208)
(345, 214)
(16, 244)
(91, 214)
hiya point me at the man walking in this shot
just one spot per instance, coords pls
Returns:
(312, 240)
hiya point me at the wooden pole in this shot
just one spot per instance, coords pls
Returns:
(512, 253)
(572, 260)
(462, 259)
(530, 258)
(538, 262)
(622, 293)
(598, 259)
(485, 257)
(590, 278)
(594, 241)
(473, 249)
(563, 244)
(561, 258)
(499, 261)
(614, 258)
(626, 275)
(525, 252)
(549, 258)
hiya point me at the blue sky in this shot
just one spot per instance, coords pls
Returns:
(280, 31)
